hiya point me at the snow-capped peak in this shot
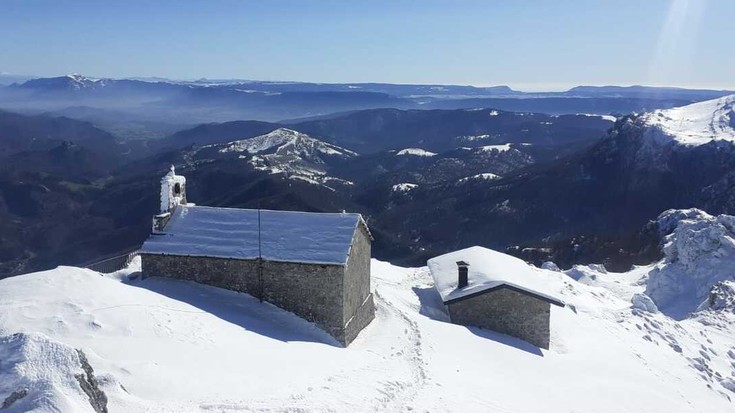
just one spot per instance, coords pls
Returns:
(295, 154)
(414, 152)
(286, 140)
(76, 77)
(694, 124)
(84, 81)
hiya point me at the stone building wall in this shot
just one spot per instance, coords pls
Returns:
(506, 311)
(312, 291)
(232, 274)
(362, 317)
(359, 309)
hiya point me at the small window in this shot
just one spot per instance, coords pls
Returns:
(177, 189)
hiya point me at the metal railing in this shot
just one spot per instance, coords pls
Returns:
(114, 263)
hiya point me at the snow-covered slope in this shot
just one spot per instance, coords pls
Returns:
(159, 345)
(694, 283)
(694, 124)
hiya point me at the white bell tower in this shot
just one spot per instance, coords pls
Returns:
(173, 191)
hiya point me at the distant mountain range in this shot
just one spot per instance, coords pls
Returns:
(79, 82)
(135, 108)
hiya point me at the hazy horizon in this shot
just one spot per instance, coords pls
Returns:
(529, 46)
(519, 87)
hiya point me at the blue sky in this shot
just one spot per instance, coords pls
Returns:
(529, 45)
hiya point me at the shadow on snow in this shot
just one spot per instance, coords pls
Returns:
(240, 309)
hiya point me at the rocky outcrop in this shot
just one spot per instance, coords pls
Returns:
(14, 397)
(698, 254)
(721, 297)
(643, 302)
(90, 386)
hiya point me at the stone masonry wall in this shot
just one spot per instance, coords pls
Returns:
(362, 317)
(235, 275)
(506, 311)
(359, 309)
(313, 292)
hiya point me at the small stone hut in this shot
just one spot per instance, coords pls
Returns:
(316, 265)
(488, 289)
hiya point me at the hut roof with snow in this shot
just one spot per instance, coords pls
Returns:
(246, 234)
(488, 271)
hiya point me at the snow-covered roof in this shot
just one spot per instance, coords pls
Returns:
(488, 270)
(286, 236)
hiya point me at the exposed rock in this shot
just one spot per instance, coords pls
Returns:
(14, 397)
(669, 219)
(644, 303)
(721, 297)
(582, 272)
(90, 386)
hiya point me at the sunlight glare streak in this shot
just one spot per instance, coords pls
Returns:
(676, 42)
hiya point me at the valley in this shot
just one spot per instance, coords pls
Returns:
(488, 177)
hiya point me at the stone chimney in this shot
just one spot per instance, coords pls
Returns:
(173, 193)
(462, 270)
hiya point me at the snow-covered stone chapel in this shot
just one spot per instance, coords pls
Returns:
(316, 265)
